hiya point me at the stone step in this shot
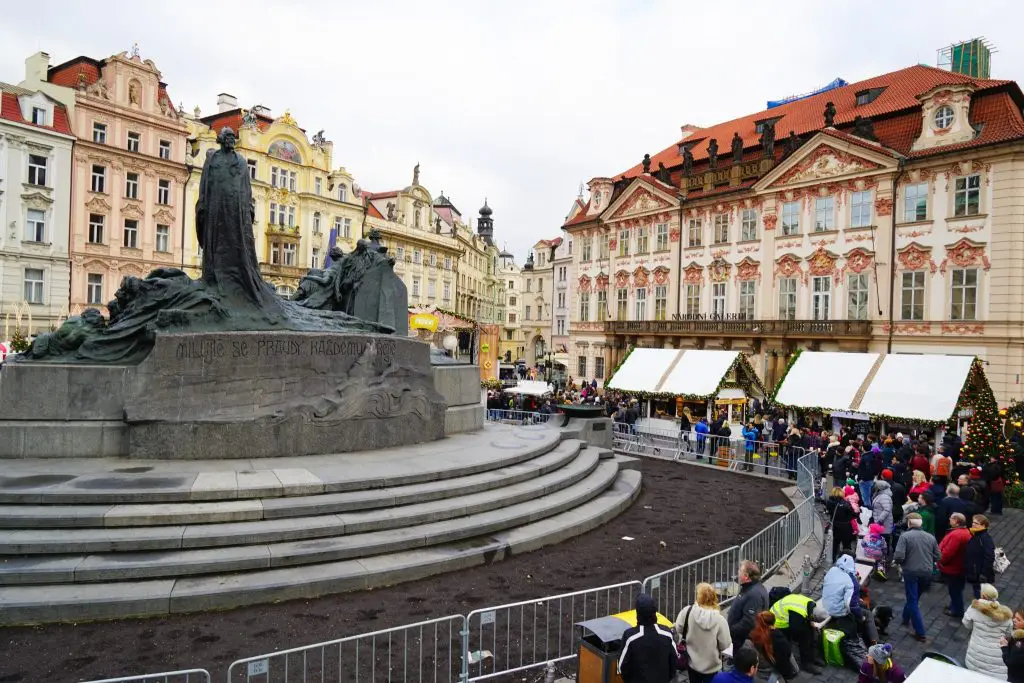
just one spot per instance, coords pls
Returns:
(209, 512)
(109, 600)
(116, 481)
(128, 539)
(181, 563)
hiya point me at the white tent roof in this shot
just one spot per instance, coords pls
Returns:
(913, 387)
(673, 371)
(530, 388)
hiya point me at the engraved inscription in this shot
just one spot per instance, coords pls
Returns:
(211, 349)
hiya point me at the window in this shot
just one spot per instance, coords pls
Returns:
(251, 163)
(96, 223)
(529, 284)
(662, 237)
(526, 313)
(602, 305)
(431, 289)
(569, 246)
(415, 286)
(660, 302)
(289, 252)
(748, 225)
(131, 185)
(291, 216)
(511, 301)
(915, 202)
(342, 193)
(511, 317)
(641, 240)
(314, 261)
(585, 249)
(584, 307)
(605, 249)
(94, 288)
(581, 366)
(824, 214)
(36, 169)
(540, 284)
(860, 209)
(624, 243)
(821, 297)
(165, 149)
(748, 289)
(787, 298)
(718, 299)
(966, 199)
(99, 133)
(448, 263)
(34, 285)
(791, 218)
(857, 293)
(346, 228)
(99, 179)
(944, 116)
(417, 256)
(131, 234)
(316, 222)
(35, 226)
(163, 191)
(640, 305)
(598, 367)
(508, 335)
(274, 175)
(39, 116)
(965, 295)
(291, 180)
(399, 253)
(163, 238)
(318, 185)
(912, 296)
(622, 304)
(134, 142)
(721, 228)
(694, 233)
(276, 214)
(692, 299)
(446, 291)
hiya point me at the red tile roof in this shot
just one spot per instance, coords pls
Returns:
(581, 217)
(380, 195)
(66, 74)
(10, 110)
(233, 118)
(901, 90)
(372, 211)
(861, 142)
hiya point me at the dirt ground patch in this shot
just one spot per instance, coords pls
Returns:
(694, 511)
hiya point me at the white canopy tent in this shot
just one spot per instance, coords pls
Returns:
(531, 388)
(915, 388)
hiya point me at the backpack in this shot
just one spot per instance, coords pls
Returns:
(832, 642)
(943, 466)
(873, 547)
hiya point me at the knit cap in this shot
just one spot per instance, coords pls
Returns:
(882, 652)
(887, 475)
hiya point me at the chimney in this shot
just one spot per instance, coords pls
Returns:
(686, 130)
(226, 102)
(36, 67)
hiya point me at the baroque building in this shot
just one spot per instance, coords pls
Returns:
(512, 345)
(477, 288)
(128, 172)
(538, 295)
(883, 215)
(303, 204)
(35, 201)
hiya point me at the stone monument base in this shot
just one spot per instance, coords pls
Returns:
(227, 395)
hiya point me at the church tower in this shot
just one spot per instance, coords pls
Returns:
(485, 224)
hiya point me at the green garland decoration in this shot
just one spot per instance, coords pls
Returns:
(740, 363)
(785, 373)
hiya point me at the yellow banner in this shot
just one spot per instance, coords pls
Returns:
(423, 321)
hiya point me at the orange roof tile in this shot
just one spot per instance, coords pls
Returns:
(10, 110)
(372, 211)
(66, 74)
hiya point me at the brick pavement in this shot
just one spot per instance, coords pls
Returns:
(944, 634)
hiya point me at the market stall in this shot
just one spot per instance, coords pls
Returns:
(667, 380)
(885, 391)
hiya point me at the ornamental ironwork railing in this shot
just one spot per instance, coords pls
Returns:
(783, 328)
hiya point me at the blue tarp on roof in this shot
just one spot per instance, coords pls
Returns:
(838, 83)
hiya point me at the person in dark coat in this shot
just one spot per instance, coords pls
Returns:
(648, 649)
(753, 598)
(947, 506)
(992, 475)
(841, 516)
(981, 555)
(1013, 649)
(840, 468)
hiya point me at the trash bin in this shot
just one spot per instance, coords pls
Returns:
(601, 644)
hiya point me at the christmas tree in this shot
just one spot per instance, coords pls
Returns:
(985, 438)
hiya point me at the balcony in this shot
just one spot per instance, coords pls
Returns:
(747, 328)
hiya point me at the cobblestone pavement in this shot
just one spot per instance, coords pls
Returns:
(945, 635)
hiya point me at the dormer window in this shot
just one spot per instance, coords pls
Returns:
(944, 117)
(868, 96)
(39, 116)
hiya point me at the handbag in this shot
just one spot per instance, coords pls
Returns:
(682, 655)
(1001, 562)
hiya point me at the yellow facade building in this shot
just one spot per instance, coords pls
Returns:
(301, 202)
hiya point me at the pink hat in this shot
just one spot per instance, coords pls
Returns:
(876, 529)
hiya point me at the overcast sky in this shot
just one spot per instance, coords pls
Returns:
(516, 101)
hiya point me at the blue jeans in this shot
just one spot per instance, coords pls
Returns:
(955, 586)
(865, 492)
(913, 583)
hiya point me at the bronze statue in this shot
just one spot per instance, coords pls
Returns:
(768, 139)
(737, 148)
(830, 114)
(863, 128)
(713, 153)
(663, 175)
(792, 143)
(687, 160)
(646, 163)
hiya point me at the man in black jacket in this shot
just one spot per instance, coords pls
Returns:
(648, 650)
(753, 598)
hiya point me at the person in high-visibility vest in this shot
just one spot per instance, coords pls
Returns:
(793, 615)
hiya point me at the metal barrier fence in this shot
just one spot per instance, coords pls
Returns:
(183, 676)
(674, 589)
(771, 546)
(425, 651)
(735, 453)
(517, 417)
(527, 634)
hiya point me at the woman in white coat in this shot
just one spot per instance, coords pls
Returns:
(989, 622)
(707, 634)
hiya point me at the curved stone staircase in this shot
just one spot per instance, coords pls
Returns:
(86, 539)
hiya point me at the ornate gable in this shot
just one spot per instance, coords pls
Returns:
(641, 200)
(825, 162)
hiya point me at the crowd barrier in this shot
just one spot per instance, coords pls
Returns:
(515, 637)
(517, 417)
